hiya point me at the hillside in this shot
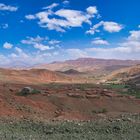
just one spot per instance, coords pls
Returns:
(72, 72)
(96, 66)
(127, 74)
(32, 76)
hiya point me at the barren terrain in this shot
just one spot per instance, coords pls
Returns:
(65, 102)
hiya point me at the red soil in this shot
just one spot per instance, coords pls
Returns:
(64, 102)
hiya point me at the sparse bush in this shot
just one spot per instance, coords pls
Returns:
(35, 91)
(104, 110)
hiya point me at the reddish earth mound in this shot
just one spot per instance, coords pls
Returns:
(32, 76)
(61, 102)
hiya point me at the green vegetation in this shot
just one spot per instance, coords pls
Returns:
(35, 91)
(125, 128)
(115, 86)
(124, 89)
(133, 91)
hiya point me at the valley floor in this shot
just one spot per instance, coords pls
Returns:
(68, 112)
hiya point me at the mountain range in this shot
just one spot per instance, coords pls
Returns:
(89, 65)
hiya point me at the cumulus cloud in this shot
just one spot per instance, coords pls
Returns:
(34, 40)
(19, 54)
(7, 45)
(30, 17)
(108, 26)
(133, 41)
(92, 10)
(42, 47)
(66, 2)
(99, 41)
(112, 27)
(73, 18)
(54, 42)
(66, 18)
(51, 6)
(9, 8)
(19, 50)
(4, 26)
(21, 59)
(41, 43)
(75, 53)
(134, 35)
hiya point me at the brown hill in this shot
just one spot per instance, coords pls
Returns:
(96, 66)
(72, 72)
(126, 74)
(32, 76)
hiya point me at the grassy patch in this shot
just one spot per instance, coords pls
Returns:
(126, 128)
(115, 86)
(132, 92)
(124, 89)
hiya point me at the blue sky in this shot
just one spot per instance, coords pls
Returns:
(34, 32)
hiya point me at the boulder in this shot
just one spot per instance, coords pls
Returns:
(26, 91)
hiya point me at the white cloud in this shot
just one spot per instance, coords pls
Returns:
(51, 6)
(54, 42)
(92, 10)
(108, 26)
(20, 58)
(99, 41)
(42, 47)
(134, 35)
(73, 18)
(4, 26)
(7, 45)
(19, 50)
(133, 41)
(41, 43)
(32, 41)
(75, 53)
(112, 27)
(20, 54)
(66, 18)
(30, 17)
(66, 2)
(4, 7)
